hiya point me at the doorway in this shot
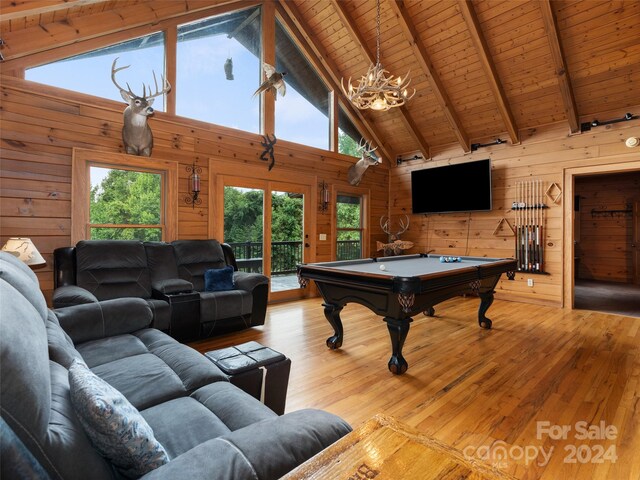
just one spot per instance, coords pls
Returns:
(267, 225)
(604, 225)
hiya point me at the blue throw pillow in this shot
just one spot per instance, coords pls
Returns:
(218, 279)
(114, 426)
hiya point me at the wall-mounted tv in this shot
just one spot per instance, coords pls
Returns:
(463, 187)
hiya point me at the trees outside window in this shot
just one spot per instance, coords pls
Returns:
(349, 228)
(123, 197)
(129, 199)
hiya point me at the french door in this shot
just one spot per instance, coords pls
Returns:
(267, 225)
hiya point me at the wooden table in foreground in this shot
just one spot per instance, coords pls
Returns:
(384, 449)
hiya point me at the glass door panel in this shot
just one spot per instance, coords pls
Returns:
(243, 226)
(287, 238)
(265, 223)
(349, 227)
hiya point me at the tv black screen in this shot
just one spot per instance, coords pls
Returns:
(463, 187)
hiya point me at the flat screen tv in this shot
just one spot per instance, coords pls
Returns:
(463, 187)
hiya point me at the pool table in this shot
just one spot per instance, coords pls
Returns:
(397, 288)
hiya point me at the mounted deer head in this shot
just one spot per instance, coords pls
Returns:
(396, 246)
(136, 134)
(356, 171)
(403, 225)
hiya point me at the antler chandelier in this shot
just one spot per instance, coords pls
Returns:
(377, 89)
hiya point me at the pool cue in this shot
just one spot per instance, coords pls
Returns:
(517, 202)
(539, 230)
(522, 232)
(534, 266)
(521, 224)
(541, 226)
(527, 220)
(535, 226)
(530, 210)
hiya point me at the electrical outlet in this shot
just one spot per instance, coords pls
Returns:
(323, 236)
(529, 282)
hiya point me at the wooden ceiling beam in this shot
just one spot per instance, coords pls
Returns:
(560, 65)
(486, 60)
(12, 9)
(315, 51)
(40, 39)
(411, 34)
(355, 34)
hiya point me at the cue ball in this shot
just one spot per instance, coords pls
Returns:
(382, 267)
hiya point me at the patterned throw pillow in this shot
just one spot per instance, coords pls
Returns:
(218, 279)
(115, 427)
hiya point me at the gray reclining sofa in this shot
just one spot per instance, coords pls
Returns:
(170, 277)
(207, 428)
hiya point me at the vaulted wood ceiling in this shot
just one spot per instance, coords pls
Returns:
(482, 69)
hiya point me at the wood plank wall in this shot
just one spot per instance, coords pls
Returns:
(41, 125)
(603, 248)
(543, 154)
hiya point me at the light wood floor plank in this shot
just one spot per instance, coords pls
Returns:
(470, 387)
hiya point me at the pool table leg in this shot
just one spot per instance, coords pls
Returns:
(332, 314)
(398, 330)
(486, 299)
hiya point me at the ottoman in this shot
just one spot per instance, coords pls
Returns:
(256, 369)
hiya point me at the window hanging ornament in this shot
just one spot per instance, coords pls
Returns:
(274, 82)
(228, 68)
(377, 89)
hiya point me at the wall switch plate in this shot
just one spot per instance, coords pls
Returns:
(529, 282)
(323, 236)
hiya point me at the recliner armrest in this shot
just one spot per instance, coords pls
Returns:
(249, 281)
(170, 286)
(70, 295)
(104, 319)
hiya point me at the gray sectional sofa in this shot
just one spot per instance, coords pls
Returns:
(164, 275)
(208, 428)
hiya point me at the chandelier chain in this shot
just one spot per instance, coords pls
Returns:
(377, 89)
(378, 33)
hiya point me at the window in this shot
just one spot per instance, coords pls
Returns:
(302, 115)
(125, 204)
(348, 135)
(218, 69)
(349, 231)
(120, 197)
(216, 64)
(91, 72)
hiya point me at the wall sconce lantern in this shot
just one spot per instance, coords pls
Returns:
(324, 196)
(194, 185)
(25, 250)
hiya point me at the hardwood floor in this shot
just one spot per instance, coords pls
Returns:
(499, 395)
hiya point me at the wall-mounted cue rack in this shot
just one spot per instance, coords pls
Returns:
(529, 209)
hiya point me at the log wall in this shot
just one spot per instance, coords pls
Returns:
(544, 154)
(41, 125)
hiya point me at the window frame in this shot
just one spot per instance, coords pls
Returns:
(169, 27)
(84, 159)
(365, 196)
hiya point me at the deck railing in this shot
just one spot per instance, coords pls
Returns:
(284, 255)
